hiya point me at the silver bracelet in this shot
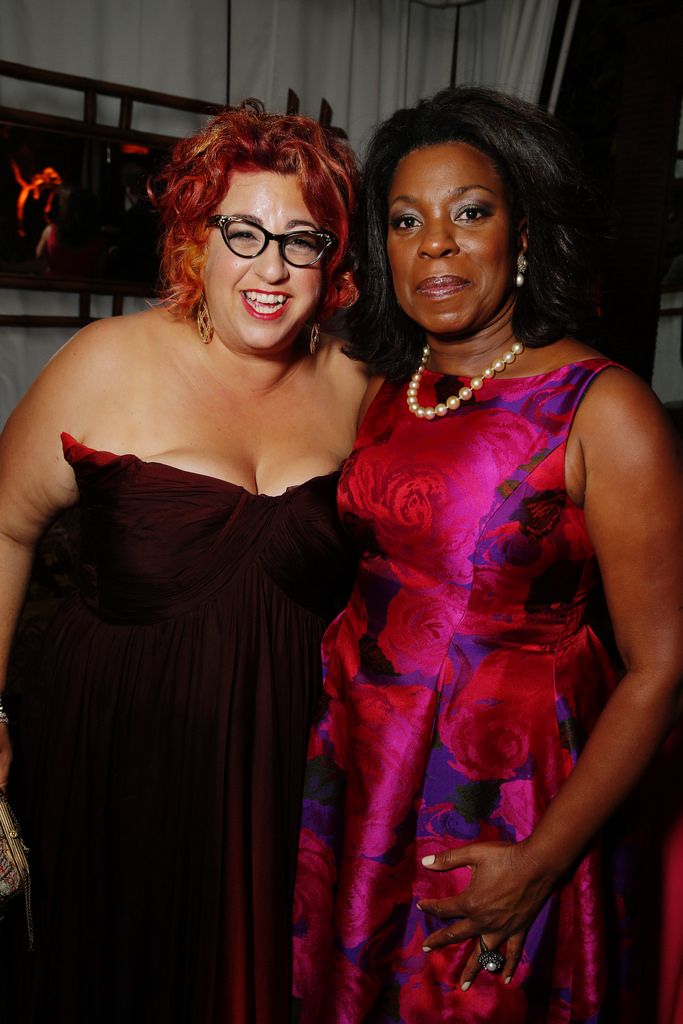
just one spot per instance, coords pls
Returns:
(4, 720)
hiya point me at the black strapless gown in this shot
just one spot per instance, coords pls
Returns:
(165, 743)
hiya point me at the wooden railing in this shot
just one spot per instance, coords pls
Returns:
(84, 288)
(88, 125)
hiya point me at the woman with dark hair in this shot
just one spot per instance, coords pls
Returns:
(473, 742)
(165, 739)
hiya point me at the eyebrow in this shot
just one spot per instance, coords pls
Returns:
(290, 225)
(454, 193)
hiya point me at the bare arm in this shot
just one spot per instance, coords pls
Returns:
(634, 515)
(25, 510)
(631, 476)
(36, 483)
(41, 247)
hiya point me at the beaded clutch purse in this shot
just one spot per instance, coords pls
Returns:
(14, 871)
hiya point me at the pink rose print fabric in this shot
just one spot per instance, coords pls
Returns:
(460, 685)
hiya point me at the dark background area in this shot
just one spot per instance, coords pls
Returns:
(621, 95)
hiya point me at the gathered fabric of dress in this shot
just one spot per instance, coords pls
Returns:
(461, 684)
(165, 745)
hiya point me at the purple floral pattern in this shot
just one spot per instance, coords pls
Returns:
(461, 682)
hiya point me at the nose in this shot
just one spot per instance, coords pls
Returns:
(438, 239)
(270, 264)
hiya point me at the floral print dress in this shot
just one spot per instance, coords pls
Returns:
(461, 683)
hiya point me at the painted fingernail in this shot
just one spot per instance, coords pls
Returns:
(465, 985)
(426, 949)
(428, 861)
(508, 980)
(419, 906)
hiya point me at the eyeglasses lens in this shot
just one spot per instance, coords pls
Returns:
(302, 249)
(244, 239)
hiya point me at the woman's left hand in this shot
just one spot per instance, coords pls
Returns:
(507, 890)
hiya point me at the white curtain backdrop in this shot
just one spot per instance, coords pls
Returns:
(366, 57)
(166, 45)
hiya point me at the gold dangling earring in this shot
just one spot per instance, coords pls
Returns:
(522, 267)
(204, 324)
(315, 338)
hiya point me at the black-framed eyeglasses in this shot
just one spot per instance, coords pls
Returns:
(246, 239)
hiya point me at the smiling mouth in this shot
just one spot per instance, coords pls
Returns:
(441, 287)
(265, 304)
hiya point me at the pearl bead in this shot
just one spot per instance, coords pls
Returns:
(429, 412)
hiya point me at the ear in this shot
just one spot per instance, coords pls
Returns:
(522, 236)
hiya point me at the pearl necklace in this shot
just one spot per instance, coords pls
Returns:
(428, 412)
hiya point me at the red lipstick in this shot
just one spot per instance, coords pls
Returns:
(262, 305)
(442, 287)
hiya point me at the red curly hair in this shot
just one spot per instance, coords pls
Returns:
(197, 176)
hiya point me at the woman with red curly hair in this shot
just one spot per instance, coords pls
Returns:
(165, 739)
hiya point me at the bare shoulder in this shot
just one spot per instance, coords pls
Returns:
(85, 387)
(622, 426)
(619, 400)
(352, 379)
(333, 363)
(87, 374)
(107, 345)
(618, 411)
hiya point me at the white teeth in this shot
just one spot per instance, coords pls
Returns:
(270, 299)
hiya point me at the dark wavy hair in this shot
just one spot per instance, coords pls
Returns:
(537, 161)
(246, 138)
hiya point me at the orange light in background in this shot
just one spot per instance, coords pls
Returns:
(130, 147)
(47, 180)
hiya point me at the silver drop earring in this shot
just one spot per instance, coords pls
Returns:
(522, 267)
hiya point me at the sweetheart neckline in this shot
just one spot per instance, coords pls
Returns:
(68, 440)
